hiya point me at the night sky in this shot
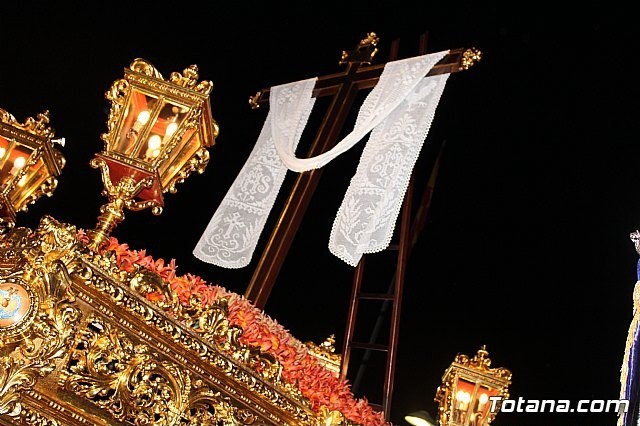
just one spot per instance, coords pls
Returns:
(526, 248)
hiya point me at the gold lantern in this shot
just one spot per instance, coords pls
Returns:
(158, 134)
(468, 389)
(29, 164)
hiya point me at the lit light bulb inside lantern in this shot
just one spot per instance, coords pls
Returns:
(153, 146)
(143, 117)
(22, 181)
(3, 151)
(171, 128)
(19, 162)
(463, 399)
(483, 398)
(154, 142)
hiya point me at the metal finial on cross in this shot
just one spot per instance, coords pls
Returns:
(363, 53)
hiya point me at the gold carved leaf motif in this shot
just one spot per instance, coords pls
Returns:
(125, 378)
(37, 309)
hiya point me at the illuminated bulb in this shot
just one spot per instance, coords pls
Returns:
(417, 421)
(483, 398)
(22, 181)
(171, 128)
(155, 153)
(143, 117)
(2, 152)
(460, 395)
(154, 142)
(19, 162)
(420, 418)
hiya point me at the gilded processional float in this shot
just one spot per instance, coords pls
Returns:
(93, 332)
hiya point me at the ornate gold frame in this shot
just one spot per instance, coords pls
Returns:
(95, 351)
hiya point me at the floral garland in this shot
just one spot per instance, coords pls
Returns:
(323, 390)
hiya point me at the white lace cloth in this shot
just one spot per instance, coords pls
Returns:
(233, 232)
(399, 110)
(367, 216)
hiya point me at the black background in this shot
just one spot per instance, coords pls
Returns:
(526, 247)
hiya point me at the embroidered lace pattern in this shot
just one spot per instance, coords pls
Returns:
(398, 80)
(367, 216)
(233, 232)
(398, 112)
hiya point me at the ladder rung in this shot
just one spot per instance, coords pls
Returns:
(377, 296)
(372, 346)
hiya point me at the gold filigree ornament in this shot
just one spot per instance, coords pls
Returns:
(470, 57)
(364, 51)
(328, 417)
(37, 310)
(125, 378)
(326, 354)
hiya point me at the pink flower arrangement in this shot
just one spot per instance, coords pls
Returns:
(318, 384)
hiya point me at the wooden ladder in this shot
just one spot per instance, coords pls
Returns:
(409, 231)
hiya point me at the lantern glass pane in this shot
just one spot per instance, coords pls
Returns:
(183, 152)
(483, 404)
(463, 394)
(138, 114)
(5, 147)
(15, 159)
(34, 177)
(158, 144)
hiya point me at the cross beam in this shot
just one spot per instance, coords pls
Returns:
(366, 77)
(343, 87)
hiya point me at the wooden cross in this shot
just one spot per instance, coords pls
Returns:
(343, 87)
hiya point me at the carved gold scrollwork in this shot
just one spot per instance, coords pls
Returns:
(211, 408)
(328, 417)
(54, 242)
(116, 368)
(37, 126)
(31, 341)
(11, 247)
(124, 378)
(144, 67)
(213, 324)
(117, 94)
(210, 321)
(189, 79)
(146, 282)
(14, 376)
